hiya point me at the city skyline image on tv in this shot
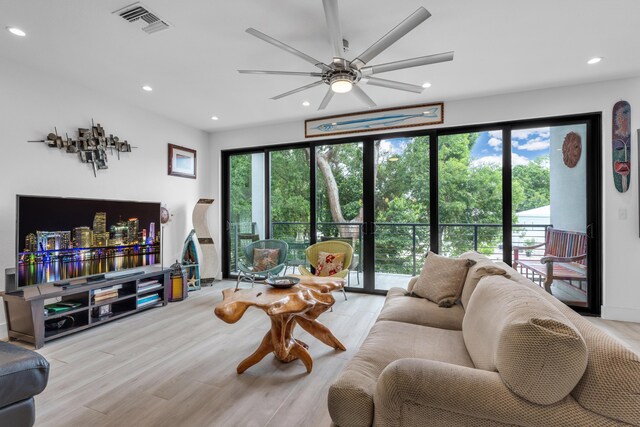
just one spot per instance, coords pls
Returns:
(64, 238)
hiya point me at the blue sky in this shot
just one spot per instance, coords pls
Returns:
(526, 145)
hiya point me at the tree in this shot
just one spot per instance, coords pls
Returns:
(468, 193)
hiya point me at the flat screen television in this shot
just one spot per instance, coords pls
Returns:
(58, 239)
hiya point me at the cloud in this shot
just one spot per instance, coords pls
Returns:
(528, 133)
(495, 143)
(537, 144)
(392, 146)
(487, 161)
(516, 160)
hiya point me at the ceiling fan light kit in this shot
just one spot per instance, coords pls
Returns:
(343, 75)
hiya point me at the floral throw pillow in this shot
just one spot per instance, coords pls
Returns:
(265, 259)
(329, 264)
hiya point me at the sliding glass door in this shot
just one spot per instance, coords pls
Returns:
(246, 205)
(549, 169)
(401, 231)
(289, 209)
(339, 200)
(497, 189)
(470, 202)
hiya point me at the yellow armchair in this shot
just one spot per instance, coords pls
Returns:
(331, 246)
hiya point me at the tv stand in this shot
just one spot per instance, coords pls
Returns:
(26, 313)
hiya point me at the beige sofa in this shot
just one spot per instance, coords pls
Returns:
(537, 363)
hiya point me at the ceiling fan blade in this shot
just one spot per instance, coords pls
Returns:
(326, 99)
(359, 93)
(288, 48)
(333, 24)
(392, 84)
(281, 73)
(300, 89)
(407, 63)
(412, 21)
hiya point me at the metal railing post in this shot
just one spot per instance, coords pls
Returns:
(413, 227)
(475, 237)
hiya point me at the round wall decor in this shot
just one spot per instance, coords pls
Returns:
(571, 149)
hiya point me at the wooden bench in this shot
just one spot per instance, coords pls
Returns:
(565, 258)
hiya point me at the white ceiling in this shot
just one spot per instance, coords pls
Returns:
(500, 46)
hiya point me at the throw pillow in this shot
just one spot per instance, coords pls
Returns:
(329, 264)
(265, 259)
(481, 269)
(441, 279)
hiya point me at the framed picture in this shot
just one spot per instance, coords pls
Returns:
(367, 121)
(182, 161)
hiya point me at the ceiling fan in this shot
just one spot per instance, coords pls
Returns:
(342, 75)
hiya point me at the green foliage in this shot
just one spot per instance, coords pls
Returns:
(531, 183)
(468, 194)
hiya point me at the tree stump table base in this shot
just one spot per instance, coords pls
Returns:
(298, 305)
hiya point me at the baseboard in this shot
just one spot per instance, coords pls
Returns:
(620, 313)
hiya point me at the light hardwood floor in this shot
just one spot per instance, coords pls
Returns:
(175, 366)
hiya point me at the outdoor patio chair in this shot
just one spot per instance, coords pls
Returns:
(246, 271)
(331, 246)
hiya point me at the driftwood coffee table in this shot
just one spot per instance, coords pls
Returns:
(298, 305)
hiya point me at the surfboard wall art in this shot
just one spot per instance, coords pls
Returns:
(621, 145)
(372, 120)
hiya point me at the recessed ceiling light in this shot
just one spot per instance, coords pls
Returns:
(214, 118)
(426, 85)
(147, 88)
(306, 103)
(16, 31)
(594, 60)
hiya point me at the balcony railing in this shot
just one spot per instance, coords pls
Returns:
(399, 247)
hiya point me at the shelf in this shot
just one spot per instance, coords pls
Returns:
(66, 313)
(112, 300)
(98, 321)
(26, 315)
(49, 335)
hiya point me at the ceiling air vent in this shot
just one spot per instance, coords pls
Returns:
(136, 13)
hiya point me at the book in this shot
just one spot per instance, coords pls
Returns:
(106, 296)
(147, 283)
(148, 300)
(103, 290)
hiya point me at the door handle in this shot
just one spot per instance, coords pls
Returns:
(589, 233)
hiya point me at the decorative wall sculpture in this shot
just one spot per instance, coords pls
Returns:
(571, 149)
(621, 144)
(91, 145)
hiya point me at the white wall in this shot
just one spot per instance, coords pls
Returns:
(621, 292)
(33, 103)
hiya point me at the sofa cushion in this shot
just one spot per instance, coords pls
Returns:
(476, 272)
(441, 279)
(23, 373)
(351, 395)
(537, 351)
(610, 385)
(401, 307)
